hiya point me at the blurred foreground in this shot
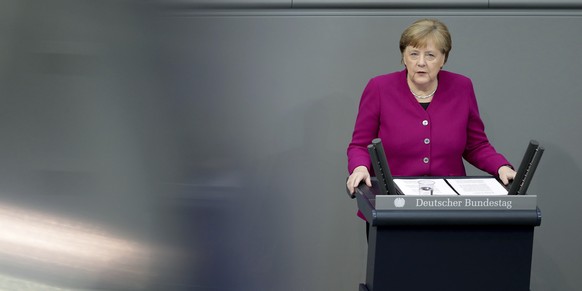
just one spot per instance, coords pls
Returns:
(100, 186)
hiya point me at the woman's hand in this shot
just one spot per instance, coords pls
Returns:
(359, 174)
(505, 174)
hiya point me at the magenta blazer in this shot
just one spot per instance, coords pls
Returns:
(420, 142)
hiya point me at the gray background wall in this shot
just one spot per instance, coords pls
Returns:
(221, 134)
(282, 88)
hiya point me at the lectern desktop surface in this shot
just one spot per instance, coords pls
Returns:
(466, 185)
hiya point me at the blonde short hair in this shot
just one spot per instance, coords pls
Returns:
(418, 33)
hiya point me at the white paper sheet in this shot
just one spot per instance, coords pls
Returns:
(410, 186)
(478, 186)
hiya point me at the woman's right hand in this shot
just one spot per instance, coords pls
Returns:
(359, 174)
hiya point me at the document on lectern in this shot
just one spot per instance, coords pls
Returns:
(455, 186)
(410, 186)
(477, 186)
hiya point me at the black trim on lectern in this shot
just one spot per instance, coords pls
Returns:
(381, 168)
(526, 170)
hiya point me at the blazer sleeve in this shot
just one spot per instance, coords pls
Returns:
(478, 151)
(366, 127)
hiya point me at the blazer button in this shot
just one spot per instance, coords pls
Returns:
(425, 122)
(425, 160)
(426, 141)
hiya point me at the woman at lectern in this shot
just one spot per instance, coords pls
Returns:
(427, 117)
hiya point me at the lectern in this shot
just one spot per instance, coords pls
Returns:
(451, 248)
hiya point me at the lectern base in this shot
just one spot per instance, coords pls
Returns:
(453, 258)
(364, 288)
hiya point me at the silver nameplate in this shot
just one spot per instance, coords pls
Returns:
(450, 202)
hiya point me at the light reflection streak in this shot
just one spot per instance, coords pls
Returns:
(13, 284)
(66, 250)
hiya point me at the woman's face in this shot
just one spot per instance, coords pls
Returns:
(423, 64)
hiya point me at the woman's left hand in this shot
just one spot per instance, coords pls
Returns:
(505, 174)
